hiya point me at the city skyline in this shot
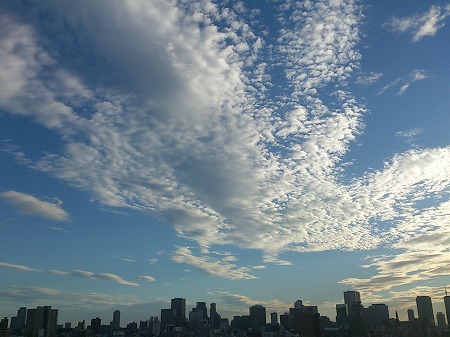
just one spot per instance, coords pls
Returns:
(180, 313)
(231, 152)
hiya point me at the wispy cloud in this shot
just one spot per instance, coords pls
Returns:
(78, 273)
(210, 266)
(58, 229)
(146, 278)
(368, 79)
(416, 75)
(26, 204)
(423, 24)
(405, 82)
(409, 135)
(125, 258)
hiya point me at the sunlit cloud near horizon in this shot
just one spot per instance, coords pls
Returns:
(236, 126)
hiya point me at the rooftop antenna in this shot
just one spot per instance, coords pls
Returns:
(445, 290)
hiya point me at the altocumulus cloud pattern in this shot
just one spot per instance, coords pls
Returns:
(233, 134)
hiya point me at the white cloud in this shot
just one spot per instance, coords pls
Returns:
(77, 273)
(221, 267)
(409, 135)
(367, 79)
(58, 229)
(146, 278)
(403, 88)
(406, 81)
(29, 205)
(16, 267)
(423, 24)
(190, 134)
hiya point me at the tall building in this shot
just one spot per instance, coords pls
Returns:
(284, 321)
(154, 326)
(41, 322)
(4, 331)
(167, 319)
(425, 310)
(178, 305)
(274, 318)
(96, 325)
(342, 316)
(411, 316)
(116, 320)
(353, 301)
(441, 323)
(214, 316)
(304, 320)
(21, 318)
(447, 308)
(201, 306)
(257, 317)
(377, 315)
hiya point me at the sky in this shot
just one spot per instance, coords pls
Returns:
(254, 152)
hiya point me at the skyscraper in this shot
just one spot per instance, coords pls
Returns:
(201, 306)
(411, 316)
(441, 323)
(21, 318)
(257, 317)
(116, 320)
(353, 301)
(425, 312)
(447, 308)
(96, 325)
(4, 332)
(214, 316)
(41, 321)
(178, 306)
(274, 318)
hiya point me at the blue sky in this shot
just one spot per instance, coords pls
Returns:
(240, 153)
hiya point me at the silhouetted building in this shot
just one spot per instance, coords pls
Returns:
(273, 318)
(154, 326)
(257, 317)
(240, 323)
(298, 304)
(352, 299)
(342, 320)
(178, 305)
(167, 319)
(19, 320)
(425, 311)
(41, 322)
(132, 327)
(96, 325)
(284, 321)
(201, 306)
(304, 320)
(447, 308)
(115, 325)
(377, 315)
(441, 323)
(411, 316)
(214, 316)
(4, 331)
